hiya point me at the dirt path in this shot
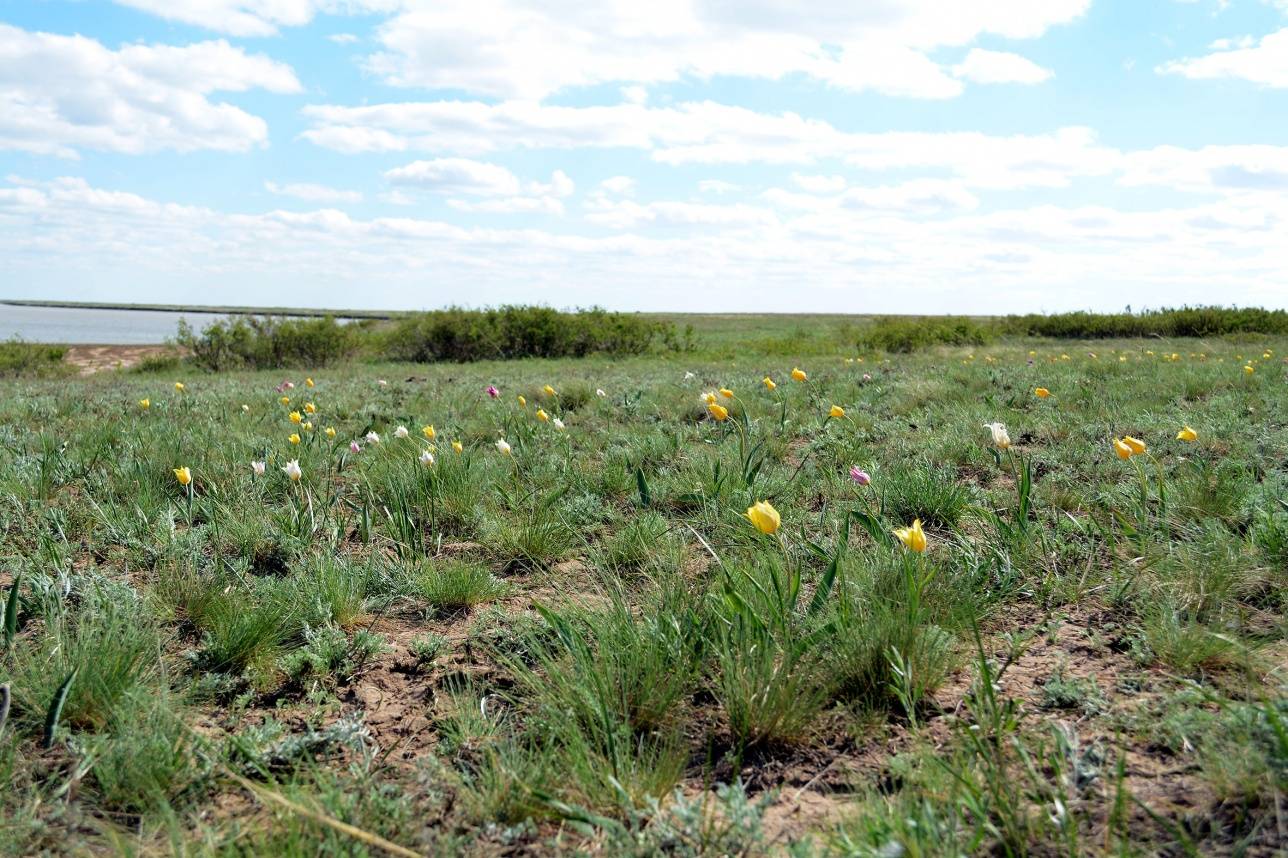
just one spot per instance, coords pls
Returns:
(91, 359)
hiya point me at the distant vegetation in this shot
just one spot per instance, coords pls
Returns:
(902, 334)
(504, 333)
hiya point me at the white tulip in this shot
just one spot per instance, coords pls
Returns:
(258, 468)
(426, 457)
(373, 438)
(503, 446)
(400, 432)
(1001, 439)
(292, 470)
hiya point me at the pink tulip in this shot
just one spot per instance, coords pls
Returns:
(353, 447)
(860, 476)
(492, 391)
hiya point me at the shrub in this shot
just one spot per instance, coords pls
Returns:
(511, 332)
(1181, 322)
(267, 342)
(908, 334)
(31, 360)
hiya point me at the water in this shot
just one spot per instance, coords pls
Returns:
(99, 327)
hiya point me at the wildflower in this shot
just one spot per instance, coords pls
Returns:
(768, 383)
(310, 408)
(836, 411)
(1248, 369)
(429, 432)
(867, 377)
(306, 426)
(913, 537)
(719, 412)
(503, 446)
(1121, 449)
(296, 417)
(1136, 445)
(558, 424)
(183, 475)
(726, 393)
(330, 431)
(688, 375)
(382, 382)
(401, 432)
(292, 470)
(860, 476)
(763, 515)
(542, 415)
(145, 404)
(1041, 392)
(178, 385)
(245, 408)
(458, 447)
(798, 374)
(1064, 357)
(353, 447)
(285, 400)
(709, 397)
(373, 438)
(308, 382)
(258, 468)
(523, 401)
(1001, 438)
(1187, 434)
(288, 385)
(426, 457)
(548, 390)
(294, 438)
(599, 391)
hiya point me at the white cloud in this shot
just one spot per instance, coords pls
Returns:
(1227, 169)
(456, 176)
(1265, 62)
(981, 66)
(63, 93)
(512, 49)
(709, 133)
(343, 38)
(818, 184)
(717, 186)
(683, 256)
(619, 185)
(313, 193)
(242, 17)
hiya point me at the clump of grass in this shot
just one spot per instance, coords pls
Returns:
(456, 584)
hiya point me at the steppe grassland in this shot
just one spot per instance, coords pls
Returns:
(585, 644)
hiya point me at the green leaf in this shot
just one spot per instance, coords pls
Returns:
(56, 708)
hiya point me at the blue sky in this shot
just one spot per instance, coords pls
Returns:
(757, 155)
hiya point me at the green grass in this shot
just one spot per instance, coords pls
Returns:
(586, 647)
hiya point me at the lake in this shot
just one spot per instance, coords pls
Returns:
(73, 325)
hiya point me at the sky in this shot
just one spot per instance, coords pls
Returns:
(858, 156)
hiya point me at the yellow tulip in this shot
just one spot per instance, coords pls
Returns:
(330, 431)
(542, 415)
(798, 374)
(768, 382)
(308, 382)
(709, 398)
(719, 412)
(726, 393)
(183, 475)
(294, 438)
(145, 404)
(1248, 370)
(429, 432)
(458, 447)
(178, 385)
(763, 515)
(523, 401)
(285, 400)
(836, 411)
(310, 408)
(1122, 450)
(913, 537)
(1136, 445)
(1041, 392)
(296, 417)
(1187, 434)
(548, 390)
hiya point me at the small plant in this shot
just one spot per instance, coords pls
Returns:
(457, 584)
